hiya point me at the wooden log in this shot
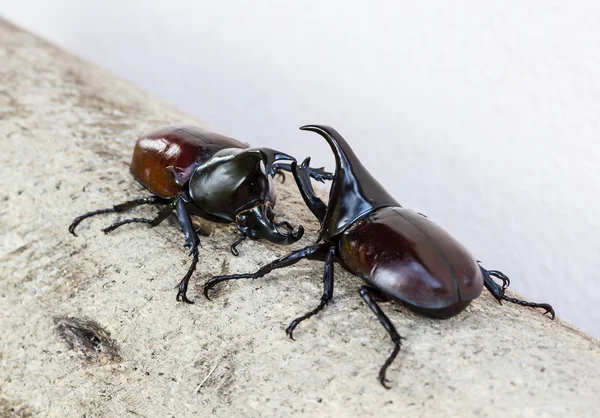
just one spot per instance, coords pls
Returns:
(90, 326)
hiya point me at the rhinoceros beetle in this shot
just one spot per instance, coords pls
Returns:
(197, 172)
(401, 254)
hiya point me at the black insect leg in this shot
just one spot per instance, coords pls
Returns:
(498, 292)
(192, 241)
(150, 200)
(499, 275)
(234, 250)
(162, 215)
(318, 174)
(279, 172)
(316, 205)
(290, 259)
(325, 298)
(369, 295)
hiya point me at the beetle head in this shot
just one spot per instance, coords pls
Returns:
(236, 185)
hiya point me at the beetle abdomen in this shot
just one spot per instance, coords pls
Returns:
(412, 260)
(164, 160)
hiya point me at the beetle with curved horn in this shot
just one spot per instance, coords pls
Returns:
(193, 171)
(401, 254)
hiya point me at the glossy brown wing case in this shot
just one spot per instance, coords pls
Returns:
(413, 260)
(164, 160)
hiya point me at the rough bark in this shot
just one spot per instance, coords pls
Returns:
(90, 324)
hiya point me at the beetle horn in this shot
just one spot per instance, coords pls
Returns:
(261, 225)
(269, 157)
(270, 232)
(354, 192)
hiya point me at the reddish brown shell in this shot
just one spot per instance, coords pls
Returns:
(412, 260)
(164, 160)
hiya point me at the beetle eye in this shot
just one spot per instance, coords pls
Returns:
(270, 214)
(242, 220)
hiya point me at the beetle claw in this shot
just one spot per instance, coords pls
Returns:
(181, 297)
(383, 380)
(290, 330)
(282, 174)
(548, 309)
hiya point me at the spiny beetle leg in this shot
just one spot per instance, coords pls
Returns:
(288, 260)
(325, 298)
(192, 241)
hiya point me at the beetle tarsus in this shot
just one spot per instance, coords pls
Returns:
(369, 294)
(150, 200)
(497, 291)
(382, 379)
(157, 220)
(218, 279)
(547, 308)
(79, 219)
(233, 248)
(114, 226)
(319, 174)
(183, 285)
(288, 260)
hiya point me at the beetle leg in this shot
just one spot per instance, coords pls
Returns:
(327, 293)
(318, 174)
(369, 294)
(150, 200)
(316, 205)
(279, 172)
(290, 259)
(162, 215)
(234, 250)
(499, 275)
(498, 292)
(192, 241)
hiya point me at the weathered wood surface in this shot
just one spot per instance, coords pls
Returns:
(66, 132)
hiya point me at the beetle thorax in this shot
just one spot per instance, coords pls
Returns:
(231, 181)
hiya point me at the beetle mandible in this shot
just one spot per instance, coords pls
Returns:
(401, 254)
(193, 171)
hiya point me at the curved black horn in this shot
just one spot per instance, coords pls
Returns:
(260, 225)
(354, 191)
(270, 232)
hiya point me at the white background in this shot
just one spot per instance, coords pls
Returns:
(483, 115)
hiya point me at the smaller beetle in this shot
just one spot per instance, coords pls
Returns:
(401, 254)
(197, 172)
